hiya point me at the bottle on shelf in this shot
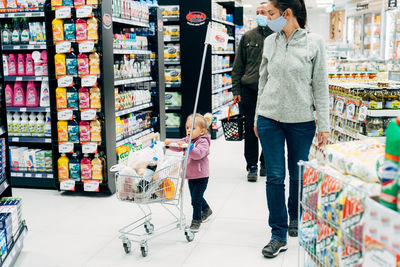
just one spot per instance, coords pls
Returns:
(73, 130)
(19, 95)
(44, 94)
(84, 131)
(16, 34)
(81, 30)
(95, 98)
(58, 30)
(72, 64)
(32, 124)
(45, 66)
(62, 130)
(63, 167)
(21, 65)
(86, 168)
(24, 125)
(95, 131)
(97, 168)
(84, 98)
(7, 35)
(30, 65)
(10, 123)
(69, 30)
(32, 97)
(9, 96)
(47, 126)
(24, 32)
(40, 123)
(16, 123)
(75, 167)
(12, 65)
(72, 98)
(92, 29)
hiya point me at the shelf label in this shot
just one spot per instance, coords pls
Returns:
(67, 185)
(89, 148)
(91, 186)
(88, 115)
(89, 81)
(63, 12)
(67, 147)
(17, 174)
(28, 175)
(66, 81)
(84, 12)
(167, 38)
(63, 47)
(15, 139)
(86, 47)
(65, 115)
(362, 114)
(18, 79)
(39, 175)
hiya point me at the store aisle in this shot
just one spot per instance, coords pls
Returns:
(69, 230)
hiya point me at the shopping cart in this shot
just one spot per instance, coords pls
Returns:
(165, 188)
(233, 126)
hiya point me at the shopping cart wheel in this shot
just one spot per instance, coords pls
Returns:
(144, 249)
(189, 235)
(149, 228)
(127, 246)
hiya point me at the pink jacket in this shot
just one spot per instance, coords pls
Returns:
(198, 164)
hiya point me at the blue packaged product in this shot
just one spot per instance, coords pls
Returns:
(72, 98)
(5, 220)
(69, 30)
(73, 131)
(72, 64)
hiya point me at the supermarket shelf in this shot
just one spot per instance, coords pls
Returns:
(172, 85)
(173, 133)
(350, 133)
(131, 51)
(2, 130)
(171, 62)
(173, 108)
(178, 39)
(133, 109)
(384, 113)
(222, 70)
(16, 248)
(170, 19)
(22, 15)
(24, 47)
(25, 78)
(134, 80)
(131, 22)
(214, 110)
(221, 89)
(33, 182)
(3, 184)
(231, 38)
(223, 52)
(134, 137)
(30, 175)
(23, 139)
(223, 22)
(28, 109)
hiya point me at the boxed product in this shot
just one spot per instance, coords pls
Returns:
(3, 243)
(6, 225)
(170, 11)
(173, 99)
(172, 120)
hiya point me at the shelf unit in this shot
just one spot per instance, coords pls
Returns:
(30, 142)
(192, 37)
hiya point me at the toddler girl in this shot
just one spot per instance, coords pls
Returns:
(198, 166)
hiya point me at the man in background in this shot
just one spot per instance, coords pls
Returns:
(245, 76)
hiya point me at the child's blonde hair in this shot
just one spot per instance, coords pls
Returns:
(203, 121)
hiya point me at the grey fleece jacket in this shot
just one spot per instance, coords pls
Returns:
(294, 80)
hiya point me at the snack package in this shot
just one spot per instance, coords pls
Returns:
(311, 181)
(308, 232)
(352, 215)
(331, 199)
(351, 255)
(327, 245)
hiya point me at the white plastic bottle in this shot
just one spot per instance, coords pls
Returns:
(16, 123)
(24, 125)
(45, 94)
(47, 126)
(40, 124)
(10, 124)
(32, 124)
(5, 64)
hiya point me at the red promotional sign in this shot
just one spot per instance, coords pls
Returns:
(196, 18)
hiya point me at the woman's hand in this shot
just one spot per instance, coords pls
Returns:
(255, 131)
(322, 138)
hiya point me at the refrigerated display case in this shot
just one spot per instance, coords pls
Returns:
(392, 34)
(372, 34)
(354, 34)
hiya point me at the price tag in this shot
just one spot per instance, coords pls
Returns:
(63, 47)
(362, 114)
(351, 110)
(63, 12)
(67, 147)
(86, 46)
(28, 174)
(15, 139)
(339, 106)
(84, 12)
(18, 79)
(67, 185)
(89, 148)
(91, 186)
(89, 81)
(39, 175)
(167, 38)
(65, 115)
(66, 81)
(88, 115)
(22, 109)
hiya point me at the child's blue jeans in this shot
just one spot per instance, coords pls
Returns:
(197, 187)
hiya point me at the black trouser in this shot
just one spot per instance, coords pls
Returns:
(249, 103)
(197, 187)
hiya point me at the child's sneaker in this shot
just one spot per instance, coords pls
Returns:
(205, 215)
(195, 226)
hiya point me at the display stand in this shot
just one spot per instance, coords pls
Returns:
(110, 22)
(23, 176)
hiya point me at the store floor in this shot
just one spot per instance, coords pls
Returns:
(69, 230)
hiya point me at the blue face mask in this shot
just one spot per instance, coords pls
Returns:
(277, 24)
(261, 20)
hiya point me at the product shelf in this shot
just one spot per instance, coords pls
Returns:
(13, 253)
(33, 14)
(3, 183)
(33, 182)
(215, 110)
(129, 22)
(222, 70)
(168, 39)
(173, 132)
(172, 62)
(133, 138)
(223, 22)
(24, 47)
(28, 109)
(173, 108)
(223, 52)
(172, 85)
(221, 89)
(25, 78)
(131, 51)
(231, 38)
(39, 175)
(383, 113)
(23, 139)
(134, 80)
(171, 19)
(133, 109)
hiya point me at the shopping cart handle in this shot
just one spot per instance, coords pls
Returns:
(230, 106)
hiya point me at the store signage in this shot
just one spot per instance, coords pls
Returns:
(392, 3)
(84, 12)
(86, 46)
(67, 147)
(91, 186)
(196, 18)
(361, 7)
(67, 185)
(63, 47)
(88, 115)
(89, 148)
(65, 115)
(63, 12)
(89, 81)
(107, 21)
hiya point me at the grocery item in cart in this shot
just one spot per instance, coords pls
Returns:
(311, 181)
(331, 200)
(358, 158)
(327, 245)
(352, 215)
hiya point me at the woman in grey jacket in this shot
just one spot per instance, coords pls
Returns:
(293, 84)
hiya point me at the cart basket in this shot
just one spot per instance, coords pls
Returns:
(233, 126)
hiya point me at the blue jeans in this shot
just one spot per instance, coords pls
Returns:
(197, 187)
(298, 137)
